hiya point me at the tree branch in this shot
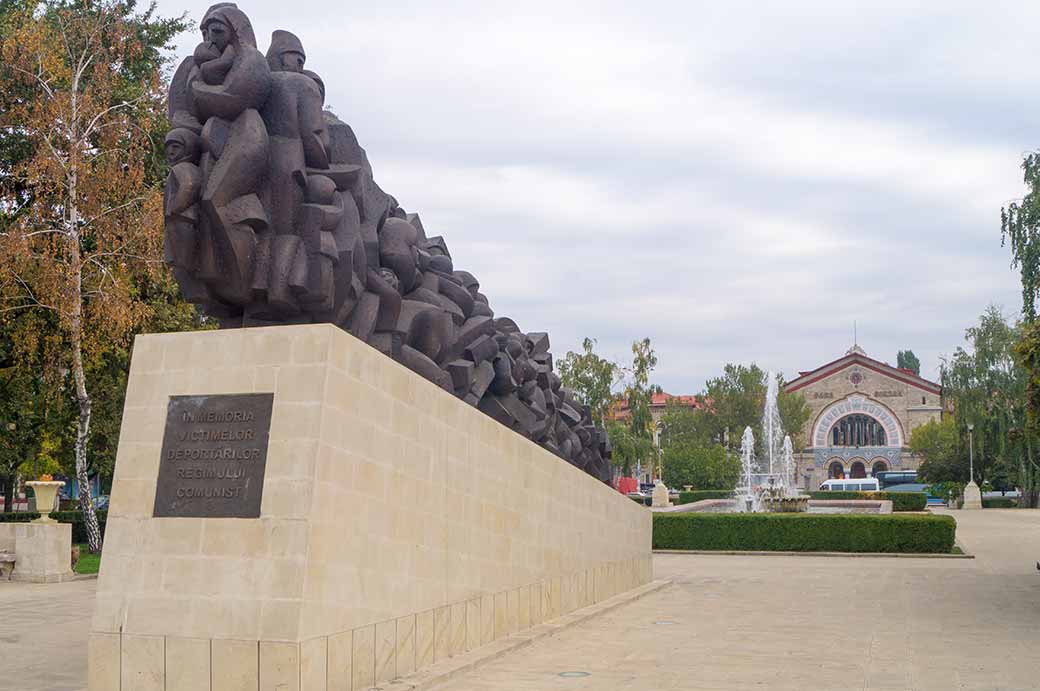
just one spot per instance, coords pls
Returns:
(90, 126)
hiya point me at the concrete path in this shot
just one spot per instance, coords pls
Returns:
(729, 622)
(43, 635)
(775, 622)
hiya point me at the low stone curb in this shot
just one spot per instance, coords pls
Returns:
(764, 553)
(51, 581)
(446, 670)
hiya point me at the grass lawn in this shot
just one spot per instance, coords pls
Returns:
(88, 563)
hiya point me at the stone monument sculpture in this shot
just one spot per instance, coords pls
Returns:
(273, 216)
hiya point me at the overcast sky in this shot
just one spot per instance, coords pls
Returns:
(738, 181)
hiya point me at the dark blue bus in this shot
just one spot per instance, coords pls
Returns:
(891, 478)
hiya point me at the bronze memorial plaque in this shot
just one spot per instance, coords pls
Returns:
(213, 456)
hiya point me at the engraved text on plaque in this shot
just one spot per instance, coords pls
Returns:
(213, 456)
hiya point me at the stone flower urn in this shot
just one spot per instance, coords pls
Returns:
(45, 492)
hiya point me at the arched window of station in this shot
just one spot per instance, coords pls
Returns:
(835, 471)
(857, 470)
(858, 430)
(878, 467)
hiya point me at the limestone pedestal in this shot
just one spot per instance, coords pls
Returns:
(660, 496)
(398, 526)
(972, 496)
(43, 552)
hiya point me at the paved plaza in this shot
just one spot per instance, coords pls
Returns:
(777, 622)
(728, 622)
(43, 635)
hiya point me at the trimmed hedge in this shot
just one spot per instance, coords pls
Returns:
(804, 532)
(1000, 503)
(79, 529)
(702, 494)
(642, 501)
(901, 501)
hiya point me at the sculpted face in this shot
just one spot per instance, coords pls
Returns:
(175, 152)
(292, 61)
(181, 145)
(217, 33)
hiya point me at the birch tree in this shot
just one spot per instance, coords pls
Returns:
(82, 208)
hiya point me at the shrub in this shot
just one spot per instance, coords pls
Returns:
(946, 490)
(79, 530)
(18, 517)
(901, 501)
(804, 532)
(999, 503)
(702, 494)
(710, 467)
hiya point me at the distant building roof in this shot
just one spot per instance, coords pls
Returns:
(619, 408)
(857, 356)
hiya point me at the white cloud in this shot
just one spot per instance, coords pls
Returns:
(738, 181)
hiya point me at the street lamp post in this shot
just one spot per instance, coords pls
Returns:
(972, 495)
(971, 454)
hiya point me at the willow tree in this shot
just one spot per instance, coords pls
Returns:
(1020, 229)
(986, 387)
(82, 89)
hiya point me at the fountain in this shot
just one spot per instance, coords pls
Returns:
(768, 485)
(747, 499)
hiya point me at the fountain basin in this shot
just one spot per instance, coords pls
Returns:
(812, 506)
(785, 504)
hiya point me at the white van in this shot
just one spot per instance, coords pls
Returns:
(863, 484)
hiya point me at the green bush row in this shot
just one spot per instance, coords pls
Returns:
(901, 501)
(804, 532)
(689, 497)
(702, 494)
(79, 529)
(1000, 503)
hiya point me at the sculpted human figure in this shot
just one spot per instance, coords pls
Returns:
(217, 95)
(302, 249)
(181, 211)
(273, 216)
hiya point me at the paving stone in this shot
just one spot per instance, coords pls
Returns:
(776, 622)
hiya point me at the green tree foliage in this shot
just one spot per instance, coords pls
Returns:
(591, 377)
(709, 467)
(986, 388)
(794, 412)
(1020, 229)
(83, 116)
(944, 456)
(735, 400)
(679, 424)
(640, 392)
(628, 449)
(906, 359)
(632, 440)
(33, 405)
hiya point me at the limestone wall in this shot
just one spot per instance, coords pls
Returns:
(398, 526)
